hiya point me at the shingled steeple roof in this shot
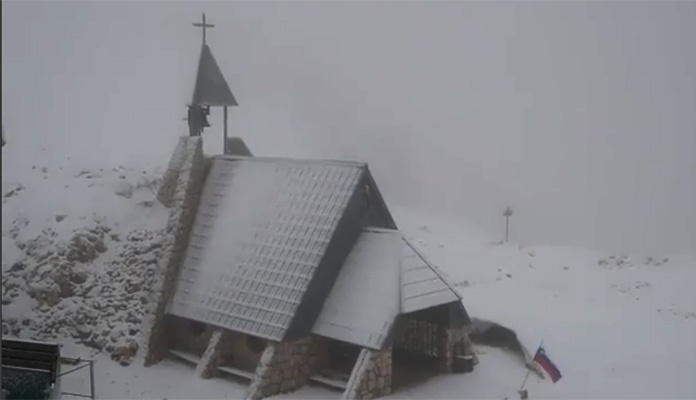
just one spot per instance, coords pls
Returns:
(211, 87)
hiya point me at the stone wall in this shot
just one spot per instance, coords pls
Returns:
(189, 168)
(371, 377)
(286, 366)
(237, 351)
(451, 345)
(165, 193)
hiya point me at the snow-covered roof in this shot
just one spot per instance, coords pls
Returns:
(364, 300)
(384, 276)
(261, 229)
(423, 285)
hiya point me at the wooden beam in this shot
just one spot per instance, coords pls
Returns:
(224, 131)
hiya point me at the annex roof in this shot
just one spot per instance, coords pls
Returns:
(364, 300)
(423, 285)
(384, 276)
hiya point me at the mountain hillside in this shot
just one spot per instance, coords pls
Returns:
(79, 245)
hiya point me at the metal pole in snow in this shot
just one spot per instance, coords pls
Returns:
(507, 214)
(91, 379)
(507, 229)
(525, 379)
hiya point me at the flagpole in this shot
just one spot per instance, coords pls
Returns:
(529, 370)
(525, 379)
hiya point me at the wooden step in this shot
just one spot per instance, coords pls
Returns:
(331, 383)
(185, 356)
(236, 372)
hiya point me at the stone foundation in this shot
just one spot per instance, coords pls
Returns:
(286, 366)
(371, 377)
(180, 191)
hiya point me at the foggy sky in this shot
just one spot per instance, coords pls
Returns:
(579, 115)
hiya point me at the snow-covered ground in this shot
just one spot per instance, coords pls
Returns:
(616, 326)
(78, 250)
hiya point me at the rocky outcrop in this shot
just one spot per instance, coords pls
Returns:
(78, 292)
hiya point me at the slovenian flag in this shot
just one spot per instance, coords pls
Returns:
(547, 365)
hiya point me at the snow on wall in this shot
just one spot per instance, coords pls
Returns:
(170, 181)
(184, 200)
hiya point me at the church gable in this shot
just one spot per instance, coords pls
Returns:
(378, 214)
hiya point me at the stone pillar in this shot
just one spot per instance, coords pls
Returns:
(371, 377)
(450, 345)
(444, 349)
(184, 185)
(213, 354)
(468, 348)
(285, 366)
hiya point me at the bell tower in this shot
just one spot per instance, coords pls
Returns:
(211, 90)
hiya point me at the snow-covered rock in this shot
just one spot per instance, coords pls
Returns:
(79, 256)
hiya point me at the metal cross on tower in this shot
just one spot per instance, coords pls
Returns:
(203, 26)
